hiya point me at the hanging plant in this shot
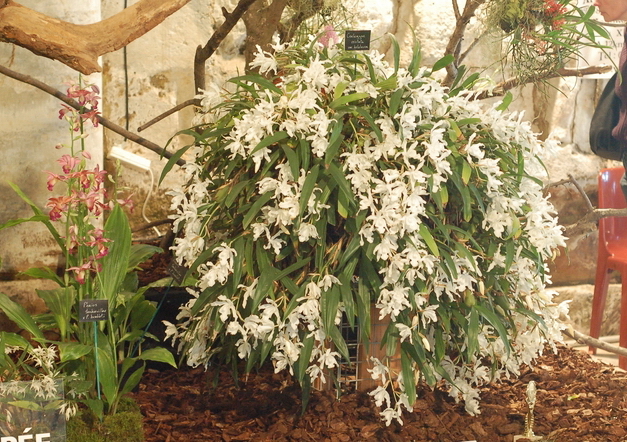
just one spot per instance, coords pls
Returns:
(541, 36)
(343, 182)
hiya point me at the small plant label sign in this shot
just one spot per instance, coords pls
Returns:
(177, 271)
(35, 412)
(357, 40)
(93, 310)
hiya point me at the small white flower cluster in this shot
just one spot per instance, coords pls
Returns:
(400, 168)
(45, 386)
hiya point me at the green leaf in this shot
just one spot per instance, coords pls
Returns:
(472, 334)
(15, 222)
(132, 380)
(255, 208)
(107, 369)
(20, 316)
(396, 52)
(115, 264)
(366, 115)
(43, 273)
(339, 89)
(409, 380)
(308, 187)
(60, 302)
(140, 253)
(235, 191)
(172, 161)
(343, 184)
(495, 322)
(424, 232)
(395, 101)
(269, 140)
(416, 59)
(335, 141)
(27, 405)
(329, 303)
(70, 351)
(256, 79)
(305, 355)
(340, 343)
(443, 62)
(466, 172)
(345, 99)
(292, 160)
(40, 216)
(13, 340)
(158, 354)
(507, 99)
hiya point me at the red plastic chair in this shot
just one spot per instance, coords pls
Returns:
(612, 254)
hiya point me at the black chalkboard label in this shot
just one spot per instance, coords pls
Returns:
(177, 271)
(357, 40)
(92, 310)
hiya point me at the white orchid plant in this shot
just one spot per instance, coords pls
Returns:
(334, 181)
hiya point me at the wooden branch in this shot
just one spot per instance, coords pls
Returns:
(74, 104)
(506, 85)
(79, 46)
(593, 342)
(203, 53)
(178, 107)
(589, 222)
(455, 41)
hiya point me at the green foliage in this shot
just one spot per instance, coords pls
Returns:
(350, 183)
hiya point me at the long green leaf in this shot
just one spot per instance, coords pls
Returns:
(172, 161)
(115, 264)
(345, 99)
(495, 322)
(40, 216)
(255, 208)
(20, 316)
(308, 187)
(60, 302)
(43, 273)
(269, 140)
(409, 380)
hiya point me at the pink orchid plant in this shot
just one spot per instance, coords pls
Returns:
(99, 256)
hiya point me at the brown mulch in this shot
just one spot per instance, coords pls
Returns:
(578, 399)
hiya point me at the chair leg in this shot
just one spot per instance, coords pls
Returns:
(622, 360)
(598, 301)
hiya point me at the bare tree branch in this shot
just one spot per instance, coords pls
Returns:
(593, 342)
(203, 53)
(506, 85)
(79, 46)
(178, 107)
(455, 41)
(74, 104)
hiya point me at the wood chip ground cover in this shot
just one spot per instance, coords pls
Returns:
(578, 399)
